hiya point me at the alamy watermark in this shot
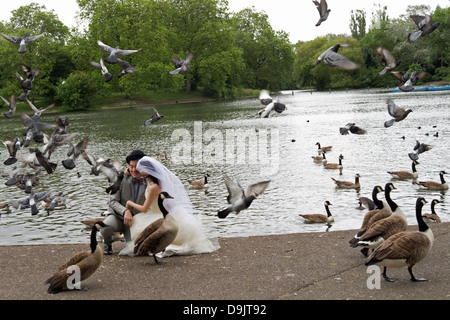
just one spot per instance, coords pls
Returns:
(374, 280)
(230, 146)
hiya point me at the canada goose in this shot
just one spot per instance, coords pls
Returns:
(86, 261)
(348, 184)
(161, 156)
(323, 149)
(382, 211)
(406, 174)
(117, 236)
(432, 217)
(335, 165)
(199, 184)
(320, 159)
(237, 198)
(159, 234)
(319, 218)
(366, 203)
(405, 248)
(382, 229)
(432, 185)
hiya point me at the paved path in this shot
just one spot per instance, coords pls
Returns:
(313, 266)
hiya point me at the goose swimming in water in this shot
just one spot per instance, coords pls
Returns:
(432, 185)
(406, 174)
(318, 217)
(200, 184)
(404, 249)
(348, 184)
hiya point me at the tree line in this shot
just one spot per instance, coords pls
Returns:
(232, 50)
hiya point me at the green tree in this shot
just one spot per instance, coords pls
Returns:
(358, 24)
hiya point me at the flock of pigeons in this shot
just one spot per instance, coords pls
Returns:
(238, 198)
(332, 58)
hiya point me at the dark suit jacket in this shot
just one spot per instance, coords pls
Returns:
(126, 192)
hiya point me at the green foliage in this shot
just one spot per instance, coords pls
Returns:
(77, 91)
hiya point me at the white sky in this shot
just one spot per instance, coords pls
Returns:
(296, 17)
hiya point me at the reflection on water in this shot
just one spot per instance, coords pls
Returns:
(206, 138)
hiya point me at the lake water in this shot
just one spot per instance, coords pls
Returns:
(198, 139)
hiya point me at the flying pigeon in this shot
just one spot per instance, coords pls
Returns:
(182, 66)
(11, 104)
(418, 149)
(270, 104)
(126, 68)
(425, 26)
(101, 66)
(408, 79)
(22, 41)
(114, 52)
(155, 117)
(238, 198)
(322, 7)
(333, 59)
(397, 113)
(388, 60)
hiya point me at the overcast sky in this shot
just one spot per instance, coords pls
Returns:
(296, 17)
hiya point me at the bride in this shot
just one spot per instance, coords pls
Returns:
(190, 238)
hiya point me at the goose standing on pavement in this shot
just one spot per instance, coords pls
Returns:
(432, 217)
(397, 113)
(425, 26)
(333, 59)
(382, 229)
(433, 185)
(382, 210)
(238, 198)
(86, 262)
(402, 175)
(22, 41)
(318, 217)
(159, 234)
(404, 249)
(114, 52)
(322, 7)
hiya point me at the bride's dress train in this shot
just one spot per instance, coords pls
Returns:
(190, 238)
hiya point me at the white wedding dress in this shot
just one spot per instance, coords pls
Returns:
(190, 238)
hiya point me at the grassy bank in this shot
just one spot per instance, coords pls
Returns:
(119, 100)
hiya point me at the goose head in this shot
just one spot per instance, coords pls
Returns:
(161, 197)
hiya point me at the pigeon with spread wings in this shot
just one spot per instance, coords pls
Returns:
(238, 198)
(114, 52)
(322, 7)
(181, 66)
(22, 41)
(333, 59)
(270, 103)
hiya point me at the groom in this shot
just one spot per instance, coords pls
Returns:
(119, 218)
